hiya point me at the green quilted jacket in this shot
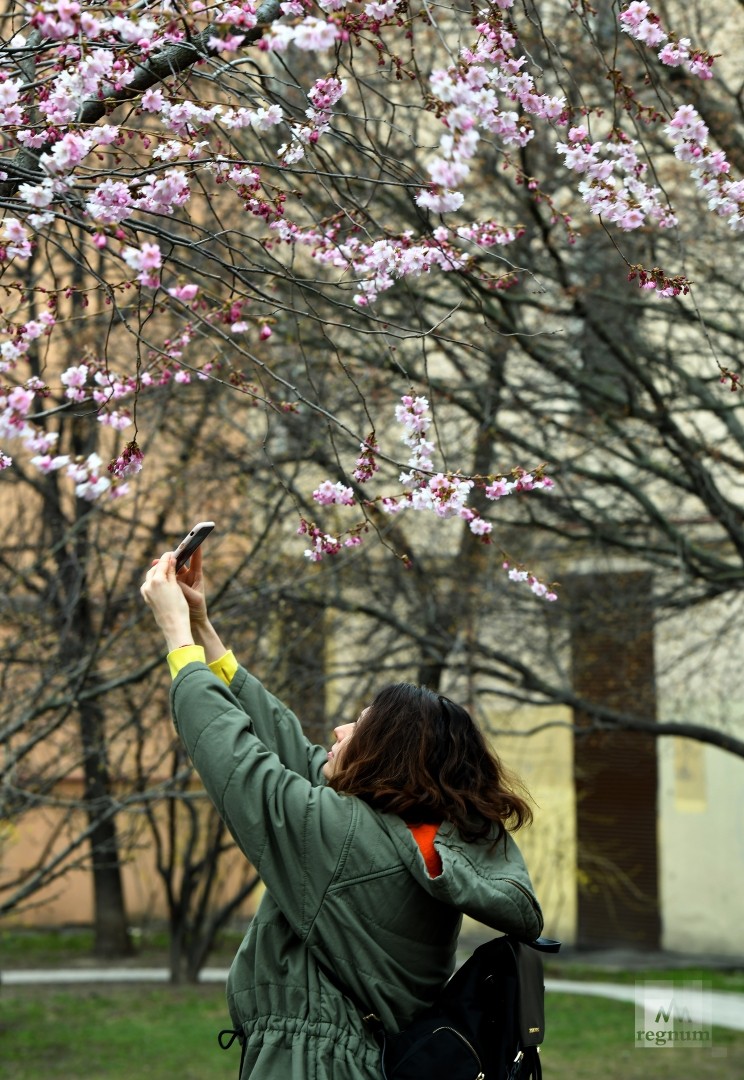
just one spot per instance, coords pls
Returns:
(347, 890)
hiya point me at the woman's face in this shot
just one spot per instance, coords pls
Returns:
(343, 733)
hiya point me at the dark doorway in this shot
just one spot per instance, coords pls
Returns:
(615, 772)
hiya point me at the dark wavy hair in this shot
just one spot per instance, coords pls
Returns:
(417, 754)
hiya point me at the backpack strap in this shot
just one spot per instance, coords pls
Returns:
(531, 995)
(543, 944)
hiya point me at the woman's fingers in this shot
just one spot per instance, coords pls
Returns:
(191, 573)
(159, 572)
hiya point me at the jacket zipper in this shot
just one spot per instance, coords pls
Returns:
(524, 891)
(481, 1075)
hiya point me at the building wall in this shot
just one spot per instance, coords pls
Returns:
(69, 901)
(701, 788)
(544, 761)
(701, 840)
(700, 832)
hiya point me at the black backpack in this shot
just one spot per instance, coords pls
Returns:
(486, 1024)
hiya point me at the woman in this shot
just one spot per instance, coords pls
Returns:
(370, 852)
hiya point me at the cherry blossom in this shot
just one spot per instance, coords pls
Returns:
(520, 575)
(366, 464)
(641, 23)
(47, 463)
(328, 494)
(16, 241)
(322, 543)
(147, 260)
(443, 494)
(184, 292)
(128, 179)
(89, 481)
(708, 167)
(129, 462)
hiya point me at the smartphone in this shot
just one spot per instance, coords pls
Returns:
(191, 542)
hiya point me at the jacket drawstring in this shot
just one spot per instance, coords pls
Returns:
(227, 1037)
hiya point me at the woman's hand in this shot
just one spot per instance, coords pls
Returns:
(191, 580)
(163, 593)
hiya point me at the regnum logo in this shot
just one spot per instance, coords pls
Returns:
(672, 1014)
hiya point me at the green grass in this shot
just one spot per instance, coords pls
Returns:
(589, 1038)
(158, 1033)
(115, 1033)
(715, 978)
(34, 948)
(40, 948)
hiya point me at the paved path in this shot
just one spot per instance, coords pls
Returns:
(727, 1008)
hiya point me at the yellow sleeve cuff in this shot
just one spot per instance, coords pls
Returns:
(187, 654)
(225, 667)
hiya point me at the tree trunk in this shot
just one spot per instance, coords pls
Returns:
(110, 921)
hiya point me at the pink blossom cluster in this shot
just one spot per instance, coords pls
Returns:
(488, 234)
(65, 20)
(74, 380)
(16, 346)
(310, 34)
(415, 416)
(324, 94)
(162, 194)
(655, 279)
(86, 78)
(378, 265)
(11, 111)
(15, 404)
(642, 24)
(330, 494)
(89, 478)
(520, 575)
(94, 382)
(90, 381)
(732, 379)
(447, 496)
(366, 464)
(129, 461)
(443, 494)
(15, 423)
(15, 240)
(478, 92)
(148, 260)
(91, 53)
(709, 168)
(469, 93)
(524, 481)
(626, 199)
(375, 10)
(324, 543)
(186, 292)
(241, 15)
(258, 119)
(113, 201)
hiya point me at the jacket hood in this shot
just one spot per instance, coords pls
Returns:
(488, 882)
